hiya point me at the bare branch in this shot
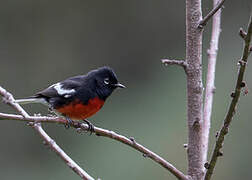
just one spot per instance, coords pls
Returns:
(146, 152)
(98, 131)
(210, 88)
(204, 21)
(70, 163)
(242, 33)
(8, 99)
(4, 116)
(181, 63)
(239, 85)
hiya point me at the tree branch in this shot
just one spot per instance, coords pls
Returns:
(49, 141)
(181, 63)
(132, 143)
(242, 33)
(232, 108)
(204, 21)
(8, 99)
(98, 131)
(210, 88)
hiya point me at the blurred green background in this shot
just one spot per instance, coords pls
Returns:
(42, 42)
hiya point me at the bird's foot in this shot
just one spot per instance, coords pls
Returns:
(69, 123)
(90, 126)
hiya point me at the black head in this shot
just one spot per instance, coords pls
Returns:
(105, 81)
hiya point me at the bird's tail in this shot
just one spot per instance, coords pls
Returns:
(30, 100)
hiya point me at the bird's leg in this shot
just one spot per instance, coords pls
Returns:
(50, 109)
(53, 112)
(69, 123)
(90, 126)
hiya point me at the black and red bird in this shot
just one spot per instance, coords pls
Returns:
(78, 97)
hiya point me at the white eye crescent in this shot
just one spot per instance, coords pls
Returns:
(106, 81)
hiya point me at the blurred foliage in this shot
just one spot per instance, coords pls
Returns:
(42, 42)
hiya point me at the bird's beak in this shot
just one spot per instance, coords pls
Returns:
(119, 85)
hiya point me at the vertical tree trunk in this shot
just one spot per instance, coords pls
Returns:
(194, 89)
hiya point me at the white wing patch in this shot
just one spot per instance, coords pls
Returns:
(67, 96)
(61, 91)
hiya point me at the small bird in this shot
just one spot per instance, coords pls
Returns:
(78, 97)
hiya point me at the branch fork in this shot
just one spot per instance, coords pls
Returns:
(9, 99)
(235, 97)
(205, 20)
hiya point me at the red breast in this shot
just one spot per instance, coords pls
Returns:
(78, 111)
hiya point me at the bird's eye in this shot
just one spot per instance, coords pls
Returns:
(106, 81)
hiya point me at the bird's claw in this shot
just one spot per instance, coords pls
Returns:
(69, 123)
(90, 126)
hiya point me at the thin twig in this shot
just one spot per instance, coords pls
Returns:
(99, 132)
(242, 33)
(210, 88)
(52, 144)
(181, 63)
(5, 116)
(8, 99)
(204, 21)
(232, 108)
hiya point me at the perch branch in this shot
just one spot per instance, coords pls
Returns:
(204, 21)
(146, 152)
(232, 108)
(210, 88)
(98, 131)
(8, 99)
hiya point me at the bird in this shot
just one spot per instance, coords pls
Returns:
(78, 97)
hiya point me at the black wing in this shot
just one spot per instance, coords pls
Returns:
(64, 88)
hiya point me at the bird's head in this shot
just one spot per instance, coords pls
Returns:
(105, 81)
